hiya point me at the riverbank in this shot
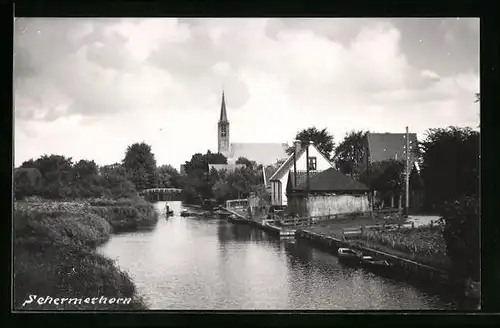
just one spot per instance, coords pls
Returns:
(416, 254)
(424, 244)
(54, 251)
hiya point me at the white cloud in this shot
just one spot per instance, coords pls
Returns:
(433, 76)
(89, 88)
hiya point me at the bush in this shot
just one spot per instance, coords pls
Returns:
(45, 268)
(83, 229)
(27, 182)
(422, 241)
(126, 214)
(52, 257)
(461, 233)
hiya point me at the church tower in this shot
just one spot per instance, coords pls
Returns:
(223, 130)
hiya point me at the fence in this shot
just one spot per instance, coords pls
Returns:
(237, 203)
(351, 232)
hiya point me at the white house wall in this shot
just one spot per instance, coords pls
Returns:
(321, 165)
(328, 205)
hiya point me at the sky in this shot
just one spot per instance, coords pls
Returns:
(87, 88)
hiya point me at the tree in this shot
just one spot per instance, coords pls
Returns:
(84, 169)
(386, 177)
(27, 182)
(320, 138)
(243, 160)
(56, 171)
(350, 153)
(168, 176)
(450, 168)
(114, 169)
(140, 164)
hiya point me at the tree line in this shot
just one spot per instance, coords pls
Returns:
(58, 177)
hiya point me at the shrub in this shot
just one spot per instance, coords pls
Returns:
(84, 229)
(461, 233)
(45, 268)
(27, 182)
(126, 214)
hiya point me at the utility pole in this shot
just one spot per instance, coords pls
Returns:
(296, 144)
(307, 167)
(407, 175)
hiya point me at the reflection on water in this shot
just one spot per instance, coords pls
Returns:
(212, 264)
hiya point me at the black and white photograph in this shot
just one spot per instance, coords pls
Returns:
(246, 164)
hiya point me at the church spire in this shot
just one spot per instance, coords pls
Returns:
(223, 114)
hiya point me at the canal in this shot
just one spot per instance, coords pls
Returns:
(191, 264)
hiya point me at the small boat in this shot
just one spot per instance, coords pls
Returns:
(185, 213)
(372, 264)
(348, 255)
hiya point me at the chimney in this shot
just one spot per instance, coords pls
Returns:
(307, 165)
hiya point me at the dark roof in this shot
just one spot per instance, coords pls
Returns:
(385, 146)
(332, 180)
(287, 164)
(301, 177)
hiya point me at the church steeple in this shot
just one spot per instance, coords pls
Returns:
(223, 130)
(223, 114)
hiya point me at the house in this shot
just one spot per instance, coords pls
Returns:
(386, 146)
(328, 192)
(317, 163)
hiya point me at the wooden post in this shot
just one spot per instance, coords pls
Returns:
(307, 169)
(295, 146)
(407, 175)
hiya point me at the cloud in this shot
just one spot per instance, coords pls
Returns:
(430, 75)
(90, 87)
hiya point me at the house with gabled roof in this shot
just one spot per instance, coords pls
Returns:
(316, 161)
(329, 192)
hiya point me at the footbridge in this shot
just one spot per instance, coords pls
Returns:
(161, 194)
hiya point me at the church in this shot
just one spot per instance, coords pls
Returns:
(261, 153)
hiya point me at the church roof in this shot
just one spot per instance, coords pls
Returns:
(262, 153)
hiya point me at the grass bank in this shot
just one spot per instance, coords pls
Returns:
(54, 251)
(424, 244)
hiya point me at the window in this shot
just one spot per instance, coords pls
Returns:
(312, 163)
(223, 131)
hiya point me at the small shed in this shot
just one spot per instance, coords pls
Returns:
(329, 192)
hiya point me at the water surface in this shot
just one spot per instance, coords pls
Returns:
(191, 264)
